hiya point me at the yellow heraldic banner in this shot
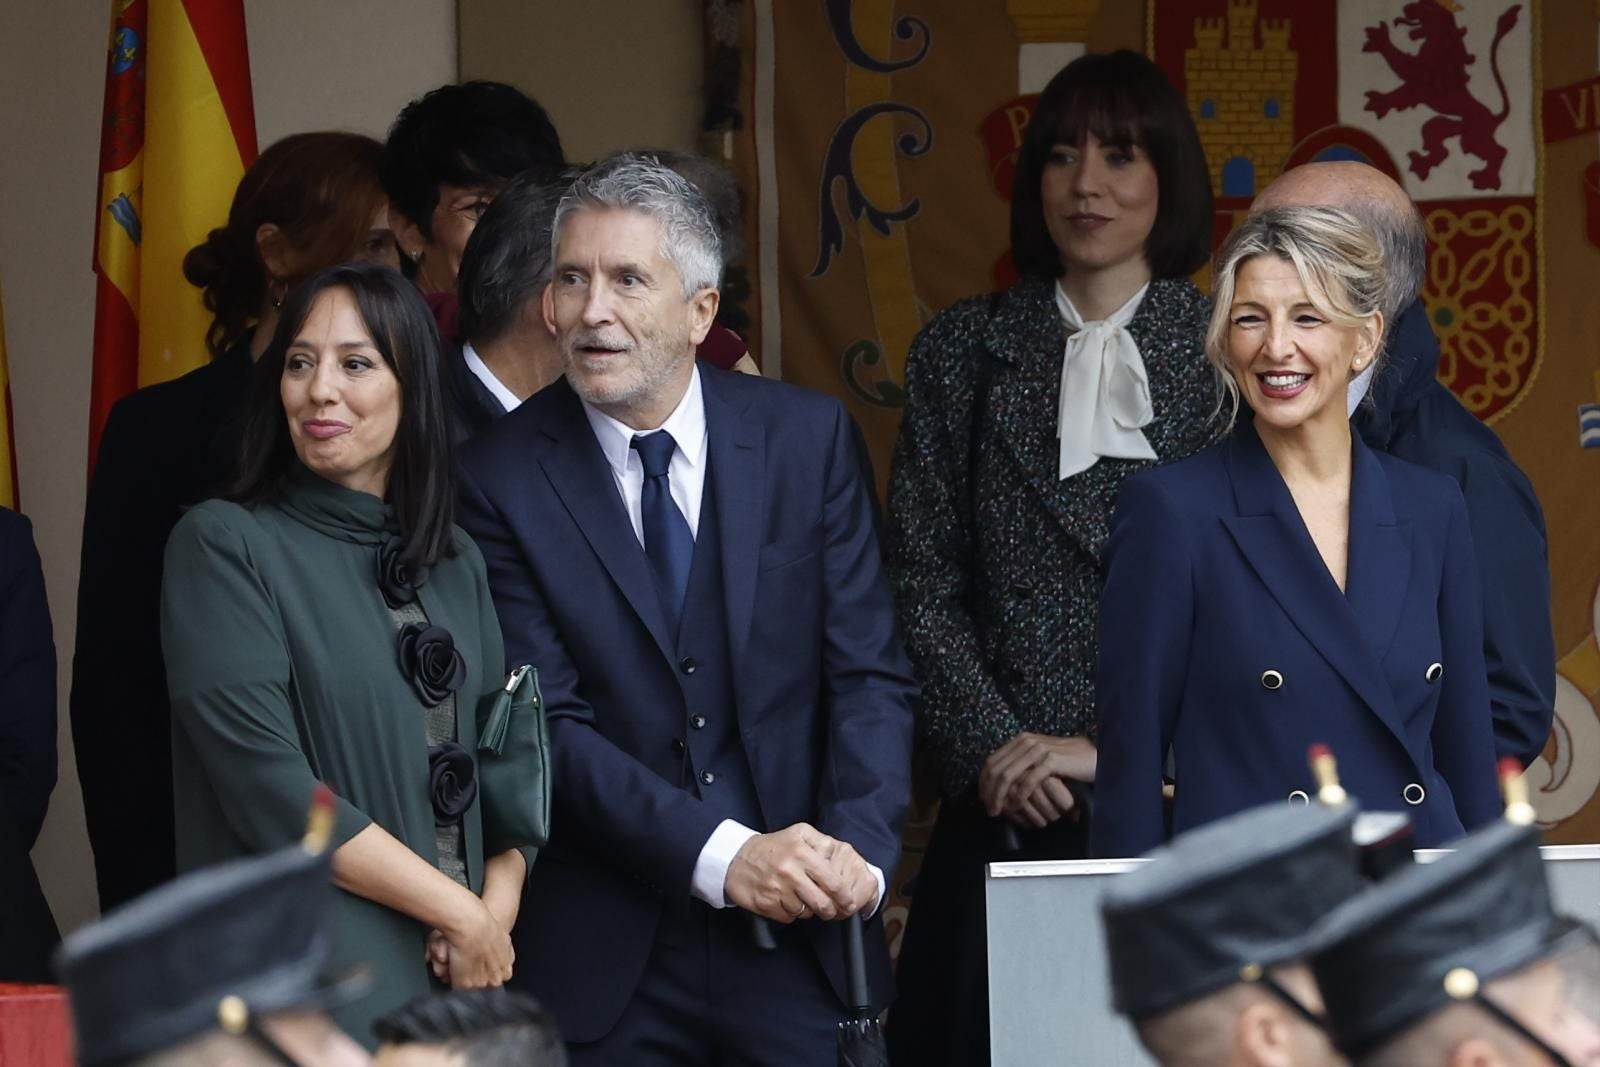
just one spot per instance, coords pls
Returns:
(878, 143)
(179, 131)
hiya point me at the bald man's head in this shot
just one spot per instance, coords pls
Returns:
(1376, 201)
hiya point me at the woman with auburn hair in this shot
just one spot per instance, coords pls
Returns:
(309, 201)
(327, 623)
(1024, 412)
(1289, 586)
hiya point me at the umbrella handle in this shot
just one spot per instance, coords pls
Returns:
(761, 934)
(855, 966)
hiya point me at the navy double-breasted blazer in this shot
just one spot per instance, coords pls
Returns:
(822, 688)
(1224, 637)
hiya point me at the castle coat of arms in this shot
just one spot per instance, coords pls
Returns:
(1439, 96)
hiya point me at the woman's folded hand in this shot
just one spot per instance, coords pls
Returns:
(479, 949)
(1013, 778)
(437, 953)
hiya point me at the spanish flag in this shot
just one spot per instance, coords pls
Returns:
(8, 441)
(179, 130)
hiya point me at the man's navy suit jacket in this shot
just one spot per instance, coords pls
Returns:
(27, 751)
(1410, 415)
(1213, 582)
(822, 687)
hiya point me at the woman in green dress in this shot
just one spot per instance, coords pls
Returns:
(328, 623)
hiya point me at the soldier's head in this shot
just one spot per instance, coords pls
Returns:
(1462, 962)
(1244, 1025)
(307, 1039)
(224, 967)
(1205, 940)
(1541, 996)
(470, 1028)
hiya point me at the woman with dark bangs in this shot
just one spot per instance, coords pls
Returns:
(328, 623)
(1024, 412)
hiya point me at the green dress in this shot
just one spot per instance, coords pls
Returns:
(284, 670)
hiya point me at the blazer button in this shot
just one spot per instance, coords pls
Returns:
(1271, 679)
(687, 665)
(678, 746)
(1299, 797)
(1435, 669)
(707, 777)
(698, 722)
(1414, 794)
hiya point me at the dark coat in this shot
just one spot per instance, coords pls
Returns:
(1409, 414)
(995, 559)
(1224, 638)
(27, 751)
(164, 448)
(473, 408)
(282, 661)
(996, 566)
(821, 687)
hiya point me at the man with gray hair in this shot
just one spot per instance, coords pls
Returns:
(507, 352)
(690, 559)
(1405, 411)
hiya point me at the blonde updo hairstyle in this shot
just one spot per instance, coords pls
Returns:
(1339, 262)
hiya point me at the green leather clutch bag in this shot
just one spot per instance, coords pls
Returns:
(514, 765)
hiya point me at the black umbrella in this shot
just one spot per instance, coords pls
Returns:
(860, 1037)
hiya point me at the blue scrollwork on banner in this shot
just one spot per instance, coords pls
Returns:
(907, 28)
(866, 375)
(840, 164)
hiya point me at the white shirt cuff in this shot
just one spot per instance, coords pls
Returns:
(708, 882)
(881, 886)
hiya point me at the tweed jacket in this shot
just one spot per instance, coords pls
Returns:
(996, 560)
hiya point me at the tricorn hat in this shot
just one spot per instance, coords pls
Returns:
(1431, 934)
(209, 951)
(1224, 902)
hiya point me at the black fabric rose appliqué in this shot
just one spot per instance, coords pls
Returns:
(452, 782)
(431, 662)
(395, 580)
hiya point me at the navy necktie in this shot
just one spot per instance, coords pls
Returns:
(668, 544)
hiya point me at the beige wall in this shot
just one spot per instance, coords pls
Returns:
(637, 85)
(314, 65)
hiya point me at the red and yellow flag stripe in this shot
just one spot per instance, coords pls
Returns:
(178, 133)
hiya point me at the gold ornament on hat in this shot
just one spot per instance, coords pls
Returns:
(1326, 771)
(1519, 811)
(1461, 984)
(233, 1015)
(319, 825)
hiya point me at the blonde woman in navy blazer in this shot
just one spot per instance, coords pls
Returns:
(1289, 585)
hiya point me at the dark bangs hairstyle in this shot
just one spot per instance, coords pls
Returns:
(475, 133)
(1124, 100)
(421, 478)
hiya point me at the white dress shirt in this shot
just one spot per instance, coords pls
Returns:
(1105, 393)
(481, 371)
(686, 478)
(1356, 391)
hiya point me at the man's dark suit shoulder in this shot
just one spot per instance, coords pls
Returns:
(1413, 417)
